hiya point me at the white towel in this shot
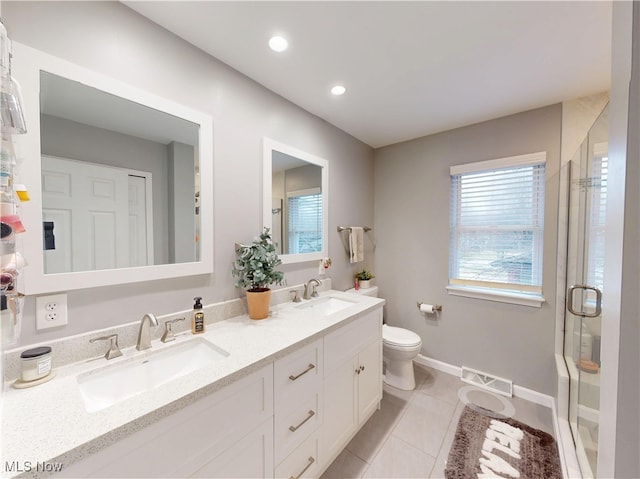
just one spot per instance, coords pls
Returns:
(356, 244)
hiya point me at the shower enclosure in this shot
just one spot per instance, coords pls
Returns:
(587, 190)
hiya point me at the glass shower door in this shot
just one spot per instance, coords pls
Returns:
(585, 267)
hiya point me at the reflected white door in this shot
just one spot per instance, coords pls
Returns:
(89, 206)
(140, 223)
(585, 268)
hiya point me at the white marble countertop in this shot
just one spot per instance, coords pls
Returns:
(49, 424)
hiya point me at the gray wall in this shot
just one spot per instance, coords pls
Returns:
(303, 178)
(412, 233)
(109, 38)
(182, 203)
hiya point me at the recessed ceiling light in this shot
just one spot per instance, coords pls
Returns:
(278, 44)
(338, 90)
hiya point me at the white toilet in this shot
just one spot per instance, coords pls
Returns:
(399, 348)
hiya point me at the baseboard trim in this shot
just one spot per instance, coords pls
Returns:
(438, 365)
(533, 396)
(518, 391)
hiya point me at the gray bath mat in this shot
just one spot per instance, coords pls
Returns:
(488, 447)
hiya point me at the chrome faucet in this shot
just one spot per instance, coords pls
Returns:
(144, 337)
(168, 335)
(114, 349)
(310, 292)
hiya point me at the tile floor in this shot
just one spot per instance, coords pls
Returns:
(410, 435)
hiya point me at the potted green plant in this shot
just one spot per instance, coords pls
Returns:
(363, 278)
(255, 269)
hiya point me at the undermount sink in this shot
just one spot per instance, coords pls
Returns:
(114, 383)
(326, 306)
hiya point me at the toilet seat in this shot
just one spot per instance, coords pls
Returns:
(399, 337)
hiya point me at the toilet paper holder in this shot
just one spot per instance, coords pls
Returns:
(436, 307)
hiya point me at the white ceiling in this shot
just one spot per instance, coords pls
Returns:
(410, 68)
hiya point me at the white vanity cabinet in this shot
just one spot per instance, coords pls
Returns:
(226, 434)
(289, 419)
(352, 382)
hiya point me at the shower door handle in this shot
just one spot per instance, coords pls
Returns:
(581, 313)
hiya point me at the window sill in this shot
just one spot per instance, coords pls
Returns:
(531, 300)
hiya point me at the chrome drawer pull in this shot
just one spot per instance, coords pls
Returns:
(309, 368)
(311, 461)
(295, 428)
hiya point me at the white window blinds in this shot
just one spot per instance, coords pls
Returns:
(496, 224)
(597, 215)
(304, 215)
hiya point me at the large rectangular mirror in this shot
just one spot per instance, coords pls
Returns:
(120, 180)
(295, 199)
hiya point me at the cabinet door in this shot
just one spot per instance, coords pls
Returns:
(341, 415)
(252, 456)
(346, 342)
(369, 380)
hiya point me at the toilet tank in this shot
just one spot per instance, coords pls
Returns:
(372, 291)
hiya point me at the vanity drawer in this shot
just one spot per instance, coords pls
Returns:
(344, 343)
(292, 426)
(303, 462)
(297, 374)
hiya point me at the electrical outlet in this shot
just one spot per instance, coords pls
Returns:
(51, 311)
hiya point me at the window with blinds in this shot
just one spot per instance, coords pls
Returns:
(597, 216)
(497, 224)
(304, 218)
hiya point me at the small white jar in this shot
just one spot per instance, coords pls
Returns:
(36, 363)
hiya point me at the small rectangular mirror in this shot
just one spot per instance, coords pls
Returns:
(295, 199)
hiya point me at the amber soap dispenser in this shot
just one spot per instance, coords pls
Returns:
(197, 322)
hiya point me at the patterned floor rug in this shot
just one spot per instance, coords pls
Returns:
(486, 447)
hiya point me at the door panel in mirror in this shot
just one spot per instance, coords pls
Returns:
(295, 201)
(106, 213)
